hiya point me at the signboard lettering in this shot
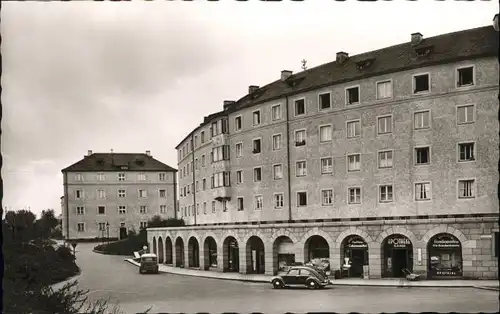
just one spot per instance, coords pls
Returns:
(399, 242)
(446, 241)
(357, 243)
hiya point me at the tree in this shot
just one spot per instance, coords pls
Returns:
(156, 222)
(21, 224)
(47, 223)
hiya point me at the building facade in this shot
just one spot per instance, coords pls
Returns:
(108, 194)
(382, 161)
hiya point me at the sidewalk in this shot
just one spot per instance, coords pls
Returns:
(482, 284)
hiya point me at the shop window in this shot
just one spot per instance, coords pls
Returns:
(445, 256)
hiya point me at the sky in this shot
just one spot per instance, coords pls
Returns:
(140, 76)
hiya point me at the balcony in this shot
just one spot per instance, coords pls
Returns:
(221, 193)
(220, 139)
(221, 165)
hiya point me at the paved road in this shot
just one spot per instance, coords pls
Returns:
(110, 277)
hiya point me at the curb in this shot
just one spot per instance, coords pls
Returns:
(106, 253)
(487, 288)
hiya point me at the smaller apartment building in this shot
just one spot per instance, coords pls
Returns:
(108, 194)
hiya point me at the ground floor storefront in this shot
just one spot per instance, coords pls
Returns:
(434, 248)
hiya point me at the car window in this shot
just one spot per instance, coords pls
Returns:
(293, 272)
(305, 272)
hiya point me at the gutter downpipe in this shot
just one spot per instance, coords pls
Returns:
(194, 178)
(66, 203)
(175, 194)
(288, 161)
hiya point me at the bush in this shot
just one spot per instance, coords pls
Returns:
(127, 246)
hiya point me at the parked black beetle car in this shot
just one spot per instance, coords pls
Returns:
(300, 276)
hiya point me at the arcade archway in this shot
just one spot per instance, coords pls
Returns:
(397, 254)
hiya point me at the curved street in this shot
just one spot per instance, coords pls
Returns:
(111, 277)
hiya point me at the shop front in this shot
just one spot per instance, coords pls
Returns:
(444, 257)
(233, 255)
(284, 249)
(397, 253)
(355, 254)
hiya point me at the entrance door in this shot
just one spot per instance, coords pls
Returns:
(399, 262)
(357, 259)
(123, 232)
(261, 262)
(234, 261)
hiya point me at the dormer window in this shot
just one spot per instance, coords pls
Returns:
(423, 51)
(363, 64)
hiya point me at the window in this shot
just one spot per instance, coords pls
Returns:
(301, 198)
(237, 123)
(204, 184)
(163, 209)
(202, 137)
(197, 209)
(465, 76)
(122, 209)
(276, 141)
(220, 153)
(326, 165)
(385, 159)
(385, 125)
(141, 177)
(354, 195)
(143, 225)
(385, 193)
(300, 138)
(354, 162)
(80, 210)
(143, 209)
(257, 149)
(256, 117)
(78, 177)
(496, 240)
(101, 194)
(205, 208)
(422, 191)
(325, 133)
(101, 210)
(162, 176)
(195, 140)
(384, 90)
(197, 186)
(352, 95)
(465, 114)
(143, 193)
(196, 164)
(213, 206)
(278, 200)
(326, 197)
(258, 202)
(276, 112)
(278, 172)
(240, 203)
(221, 179)
(421, 83)
(466, 189)
(101, 177)
(300, 107)
(301, 168)
(80, 227)
(293, 272)
(79, 194)
(219, 127)
(203, 160)
(239, 150)
(353, 129)
(466, 152)
(239, 176)
(422, 155)
(422, 120)
(324, 101)
(102, 226)
(257, 174)
(121, 177)
(224, 205)
(162, 194)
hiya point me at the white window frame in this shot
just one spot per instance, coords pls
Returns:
(240, 171)
(297, 168)
(78, 229)
(415, 191)
(273, 118)
(122, 209)
(139, 193)
(282, 200)
(261, 148)
(347, 162)
(280, 135)
(253, 117)
(122, 176)
(204, 208)
(380, 187)
(143, 224)
(321, 164)
(474, 188)
(238, 203)
(261, 174)
(82, 194)
(323, 197)
(415, 155)
(162, 176)
(203, 160)
(347, 128)
(379, 159)
(474, 149)
(297, 198)
(413, 85)
(78, 212)
(165, 192)
(141, 211)
(236, 129)
(391, 125)
(474, 82)
(100, 176)
(392, 89)
(97, 210)
(141, 176)
(78, 176)
(295, 136)
(274, 172)
(319, 101)
(346, 95)
(473, 113)
(163, 209)
(99, 196)
(124, 193)
(240, 144)
(256, 202)
(330, 133)
(349, 195)
(295, 107)
(415, 120)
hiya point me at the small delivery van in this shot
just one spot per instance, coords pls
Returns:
(149, 263)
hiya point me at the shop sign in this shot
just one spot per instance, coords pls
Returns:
(357, 243)
(447, 272)
(447, 241)
(399, 242)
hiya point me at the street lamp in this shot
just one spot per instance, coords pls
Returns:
(107, 228)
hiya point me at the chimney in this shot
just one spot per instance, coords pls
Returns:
(285, 74)
(228, 103)
(89, 152)
(148, 152)
(253, 88)
(111, 150)
(416, 38)
(342, 57)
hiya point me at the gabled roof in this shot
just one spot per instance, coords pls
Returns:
(118, 162)
(452, 47)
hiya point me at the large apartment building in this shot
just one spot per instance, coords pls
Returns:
(108, 194)
(382, 161)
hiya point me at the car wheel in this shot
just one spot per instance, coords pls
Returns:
(277, 284)
(312, 284)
